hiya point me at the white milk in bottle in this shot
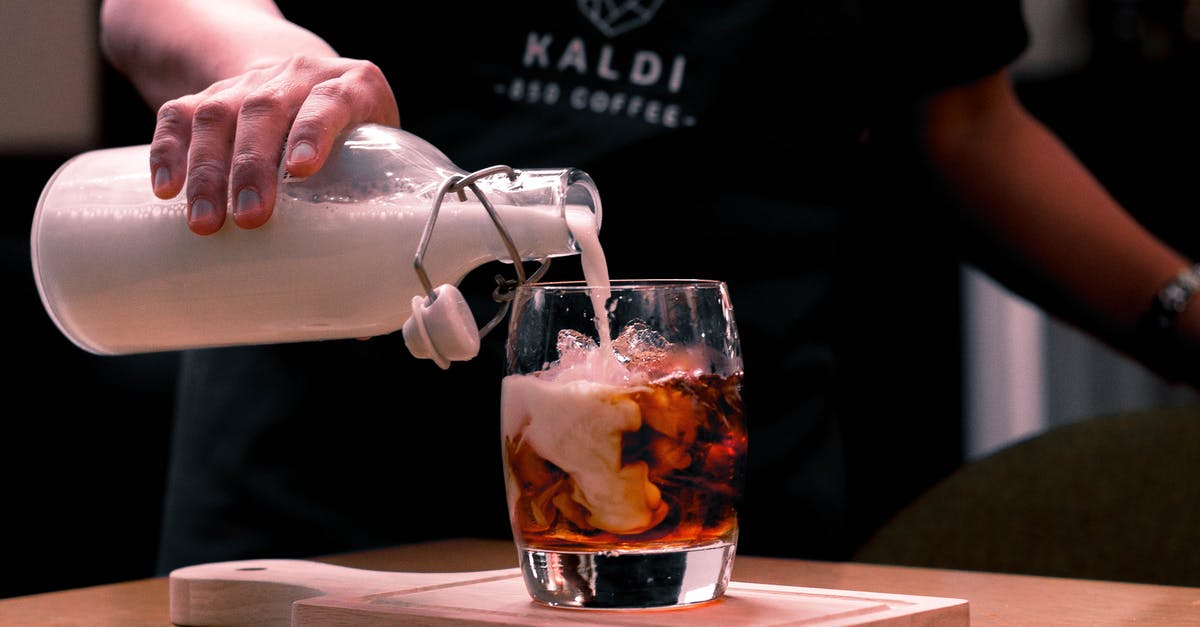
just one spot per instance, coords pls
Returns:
(119, 271)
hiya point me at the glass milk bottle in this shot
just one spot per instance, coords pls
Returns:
(347, 253)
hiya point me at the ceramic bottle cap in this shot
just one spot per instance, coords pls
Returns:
(442, 330)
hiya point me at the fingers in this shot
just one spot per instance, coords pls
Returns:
(358, 95)
(258, 149)
(191, 144)
(168, 149)
(225, 144)
(213, 127)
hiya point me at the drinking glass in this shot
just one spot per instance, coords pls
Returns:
(624, 441)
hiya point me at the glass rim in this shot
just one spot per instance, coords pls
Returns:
(580, 285)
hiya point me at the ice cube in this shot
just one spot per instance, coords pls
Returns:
(639, 346)
(573, 347)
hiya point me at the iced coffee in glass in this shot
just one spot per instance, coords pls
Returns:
(624, 441)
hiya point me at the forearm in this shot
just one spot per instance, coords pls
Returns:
(169, 48)
(1025, 186)
(1028, 191)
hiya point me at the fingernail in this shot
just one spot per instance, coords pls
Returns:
(247, 200)
(202, 210)
(162, 177)
(302, 152)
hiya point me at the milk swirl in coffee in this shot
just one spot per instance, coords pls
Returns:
(623, 442)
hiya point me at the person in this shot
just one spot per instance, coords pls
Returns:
(832, 161)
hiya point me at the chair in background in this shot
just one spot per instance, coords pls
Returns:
(1115, 497)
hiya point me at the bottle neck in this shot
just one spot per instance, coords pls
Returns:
(531, 215)
(543, 212)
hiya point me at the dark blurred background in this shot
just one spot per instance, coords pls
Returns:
(84, 438)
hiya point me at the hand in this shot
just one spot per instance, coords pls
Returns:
(227, 141)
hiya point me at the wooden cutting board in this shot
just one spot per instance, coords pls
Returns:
(303, 593)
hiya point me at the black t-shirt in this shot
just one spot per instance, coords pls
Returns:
(733, 141)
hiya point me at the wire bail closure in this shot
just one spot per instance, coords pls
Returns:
(503, 294)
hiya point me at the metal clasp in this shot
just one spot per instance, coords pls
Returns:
(503, 294)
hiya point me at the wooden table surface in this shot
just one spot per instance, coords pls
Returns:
(995, 599)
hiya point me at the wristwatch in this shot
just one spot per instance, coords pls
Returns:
(1172, 299)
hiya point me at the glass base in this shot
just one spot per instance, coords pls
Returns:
(628, 580)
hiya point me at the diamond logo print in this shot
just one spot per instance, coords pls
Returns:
(614, 17)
